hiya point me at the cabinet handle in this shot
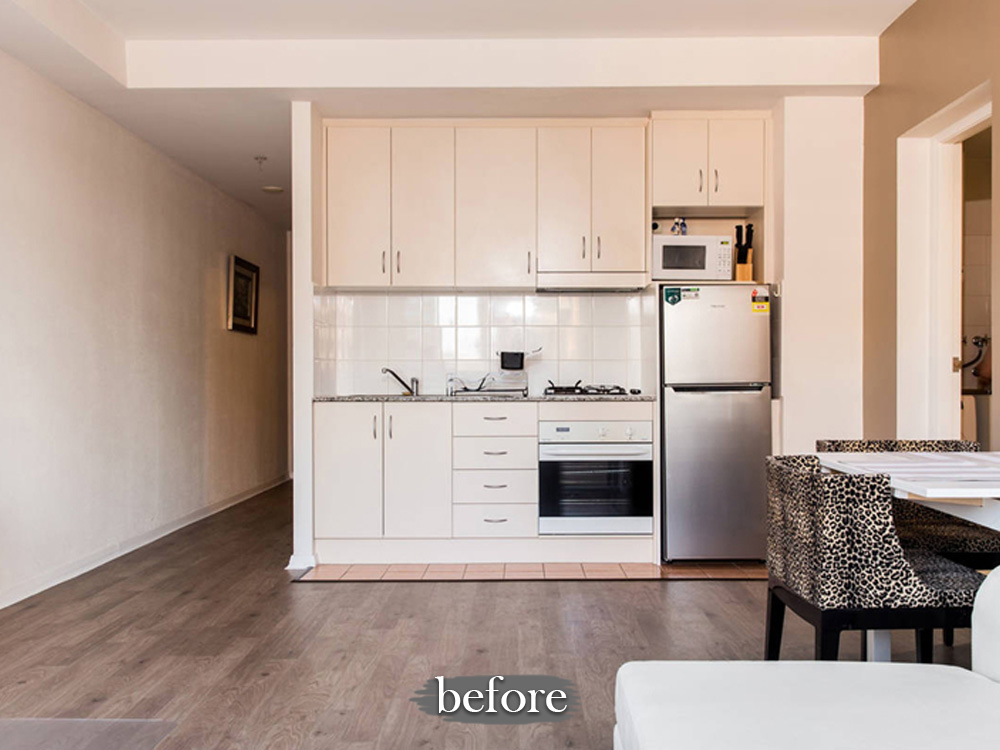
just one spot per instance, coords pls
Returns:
(529, 262)
(398, 253)
(584, 247)
(494, 486)
(716, 180)
(485, 453)
(701, 180)
(495, 520)
(495, 419)
(374, 426)
(383, 261)
(598, 247)
(390, 427)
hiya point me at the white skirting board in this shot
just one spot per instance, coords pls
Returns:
(428, 551)
(79, 567)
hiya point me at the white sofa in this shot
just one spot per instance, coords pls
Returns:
(719, 705)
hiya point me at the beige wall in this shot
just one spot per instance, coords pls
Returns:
(932, 55)
(126, 408)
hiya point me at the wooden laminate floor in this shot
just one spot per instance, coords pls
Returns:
(202, 628)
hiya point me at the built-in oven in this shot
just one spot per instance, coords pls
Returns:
(595, 478)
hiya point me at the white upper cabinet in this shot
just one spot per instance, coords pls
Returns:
(619, 199)
(417, 470)
(423, 207)
(358, 206)
(495, 207)
(708, 162)
(564, 172)
(736, 162)
(680, 160)
(347, 470)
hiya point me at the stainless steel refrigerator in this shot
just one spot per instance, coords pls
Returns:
(716, 366)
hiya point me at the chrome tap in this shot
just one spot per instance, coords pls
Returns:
(408, 390)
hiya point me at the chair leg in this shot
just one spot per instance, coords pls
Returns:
(925, 645)
(864, 645)
(949, 636)
(827, 643)
(774, 626)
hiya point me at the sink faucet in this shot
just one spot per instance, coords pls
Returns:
(412, 389)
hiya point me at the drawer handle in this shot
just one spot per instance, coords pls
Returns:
(495, 520)
(494, 453)
(494, 486)
(495, 419)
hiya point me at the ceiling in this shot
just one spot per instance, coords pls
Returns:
(426, 19)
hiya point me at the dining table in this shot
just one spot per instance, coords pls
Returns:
(966, 485)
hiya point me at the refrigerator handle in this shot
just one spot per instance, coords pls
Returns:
(747, 388)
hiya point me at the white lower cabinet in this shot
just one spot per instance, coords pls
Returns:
(496, 520)
(347, 473)
(496, 486)
(417, 470)
(382, 470)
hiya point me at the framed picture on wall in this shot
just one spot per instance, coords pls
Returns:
(244, 293)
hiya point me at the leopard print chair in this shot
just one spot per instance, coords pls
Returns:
(834, 558)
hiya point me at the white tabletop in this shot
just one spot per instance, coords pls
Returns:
(963, 484)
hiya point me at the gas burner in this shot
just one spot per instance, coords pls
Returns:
(584, 390)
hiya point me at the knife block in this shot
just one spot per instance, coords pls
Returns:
(744, 271)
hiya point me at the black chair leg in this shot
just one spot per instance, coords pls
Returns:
(925, 645)
(864, 645)
(827, 643)
(774, 626)
(949, 636)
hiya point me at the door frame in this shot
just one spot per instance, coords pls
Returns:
(929, 221)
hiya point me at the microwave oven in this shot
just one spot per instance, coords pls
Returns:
(688, 257)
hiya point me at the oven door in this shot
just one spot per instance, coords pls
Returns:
(595, 488)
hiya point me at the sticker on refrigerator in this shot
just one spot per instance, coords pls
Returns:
(671, 295)
(690, 292)
(760, 300)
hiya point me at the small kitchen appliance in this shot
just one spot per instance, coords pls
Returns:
(692, 257)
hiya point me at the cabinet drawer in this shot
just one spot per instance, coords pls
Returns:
(492, 486)
(500, 519)
(495, 453)
(493, 418)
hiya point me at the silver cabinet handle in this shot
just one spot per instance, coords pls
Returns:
(398, 253)
(585, 247)
(383, 261)
(495, 419)
(495, 520)
(716, 180)
(598, 247)
(494, 486)
(374, 427)
(529, 262)
(390, 427)
(701, 180)
(485, 453)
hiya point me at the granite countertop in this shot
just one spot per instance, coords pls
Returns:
(483, 397)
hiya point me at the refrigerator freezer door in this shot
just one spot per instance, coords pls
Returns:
(715, 493)
(716, 334)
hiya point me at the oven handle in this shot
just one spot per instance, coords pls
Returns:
(598, 453)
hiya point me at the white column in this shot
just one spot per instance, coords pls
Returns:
(306, 171)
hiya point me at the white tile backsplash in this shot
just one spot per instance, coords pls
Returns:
(595, 338)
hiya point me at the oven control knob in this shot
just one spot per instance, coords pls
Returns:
(603, 432)
(628, 432)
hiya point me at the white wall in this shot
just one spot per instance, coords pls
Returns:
(126, 408)
(821, 320)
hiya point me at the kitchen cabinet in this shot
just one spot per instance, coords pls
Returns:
(495, 207)
(417, 470)
(358, 226)
(708, 162)
(423, 207)
(619, 199)
(382, 470)
(347, 474)
(591, 199)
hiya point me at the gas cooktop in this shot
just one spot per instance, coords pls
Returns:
(586, 390)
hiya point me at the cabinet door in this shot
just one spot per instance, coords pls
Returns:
(347, 470)
(357, 207)
(680, 162)
(564, 242)
(736, 162)
(423, 207)
(619, 199)
(418, 470)
(495, 207)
